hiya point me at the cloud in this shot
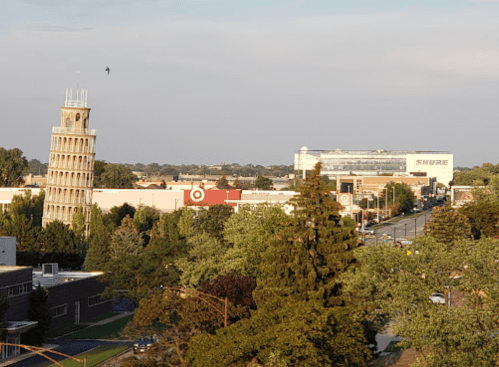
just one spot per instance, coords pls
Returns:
(305, 80)
(57, 28)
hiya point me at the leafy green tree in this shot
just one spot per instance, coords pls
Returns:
(13, 167)
(144, 217)
(99, 167)
(404, 197)
(223, 183)
(483, 216)
(461, 332)
(113, 219)
(117, 176)
(263, 183)
(212, 220)
(144, 274)
(31, 206)
(448, 225)
(126, 241)
(38, 310)
(37, 168)
(478, 176)
(203, 261)
(248, 234)
(167, 227)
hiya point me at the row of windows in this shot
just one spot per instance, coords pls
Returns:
(63, 309)
(95, 300)
(59, 310)
(20, 289)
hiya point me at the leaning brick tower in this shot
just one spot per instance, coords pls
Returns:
(71, 163)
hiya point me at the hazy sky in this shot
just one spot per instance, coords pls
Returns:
(205, 81)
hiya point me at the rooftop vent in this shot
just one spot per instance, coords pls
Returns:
(50, 269)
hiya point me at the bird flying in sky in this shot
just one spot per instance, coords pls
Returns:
(108, 70)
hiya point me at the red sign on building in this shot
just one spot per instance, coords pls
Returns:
(201, 197)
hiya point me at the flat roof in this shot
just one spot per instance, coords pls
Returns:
(6, 268)
(49, 280)
(20, 326)
(373, 151)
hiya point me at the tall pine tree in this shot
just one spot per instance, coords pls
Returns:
(313, 249)
(302, 313)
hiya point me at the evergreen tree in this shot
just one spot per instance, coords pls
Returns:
(126, 240)
(302, 312)
(79, 222)
(4, 307)
(38, 310)
(315, 247)
(98, 250)
(96, 219)
(61, 244)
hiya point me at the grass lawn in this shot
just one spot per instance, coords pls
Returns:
(102, 317)
(106, 331)
(94, 356)
(65, 330)
(393, 347)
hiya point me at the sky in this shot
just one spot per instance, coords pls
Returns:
(206, 81)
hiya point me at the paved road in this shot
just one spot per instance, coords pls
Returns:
(70, 347)
(403, 228)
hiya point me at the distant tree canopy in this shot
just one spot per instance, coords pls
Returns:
(404, 197)
(264, 183)
(113, 176)
(478, 176)
(13, 167)
(37, 168)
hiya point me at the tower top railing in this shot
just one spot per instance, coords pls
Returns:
(79, 101)
(73, 130)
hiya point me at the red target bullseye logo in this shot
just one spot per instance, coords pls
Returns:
(197, 195)
(344, 199)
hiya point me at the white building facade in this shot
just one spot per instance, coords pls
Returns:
(340, 162)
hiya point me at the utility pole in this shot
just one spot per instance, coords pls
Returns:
(415, 226)
(393, 195)
(405, 230)
(377, 207)
(386, 203)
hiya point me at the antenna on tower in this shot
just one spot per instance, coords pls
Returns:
(79, 101)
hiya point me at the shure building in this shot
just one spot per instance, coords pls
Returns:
(340, 162)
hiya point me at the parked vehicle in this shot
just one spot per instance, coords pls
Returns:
(366, 231)
(437, 298)
(403, 241)
(142, 345)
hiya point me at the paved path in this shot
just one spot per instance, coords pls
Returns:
(66, 346)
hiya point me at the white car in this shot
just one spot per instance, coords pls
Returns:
(437, 298)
